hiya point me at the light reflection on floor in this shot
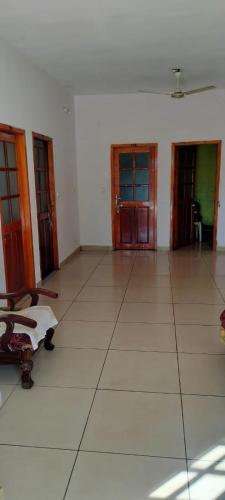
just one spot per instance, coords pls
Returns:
(205, 477)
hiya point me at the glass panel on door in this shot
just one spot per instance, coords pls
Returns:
(142, 162)
(3, 183)
(15, 209)
(13, 182)
(126, 176)
(6, 215)
(11, 154)
(2, 155)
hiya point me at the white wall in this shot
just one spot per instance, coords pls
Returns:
(29, 99)
(116, 119)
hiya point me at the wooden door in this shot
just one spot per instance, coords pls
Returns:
(134, 196)
(11, 215)
(184, 193)
(44, 206)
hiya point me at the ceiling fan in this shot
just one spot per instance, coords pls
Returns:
(178, 93)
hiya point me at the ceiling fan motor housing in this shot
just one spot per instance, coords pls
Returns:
(178, 94)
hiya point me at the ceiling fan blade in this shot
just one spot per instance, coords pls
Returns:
(201, 89)
(153, 92)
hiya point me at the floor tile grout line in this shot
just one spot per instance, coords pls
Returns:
(90, 410)
(59, 322)
(139, 391)
(95, 392)
(117, 389)
(80, 289)
(91, 451)
(213, 278)
(13, 390)
(127, 349)
(179, 377)
(104, 452)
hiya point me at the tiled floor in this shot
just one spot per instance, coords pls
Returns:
(131, 403)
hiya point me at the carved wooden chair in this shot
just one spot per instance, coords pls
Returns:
(17, 348)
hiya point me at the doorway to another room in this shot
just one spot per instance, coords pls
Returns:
(46, 203)
(134, 196)
(195, 193)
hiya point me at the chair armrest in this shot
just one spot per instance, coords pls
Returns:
(10, 320)
(222, 319)
(33, 292)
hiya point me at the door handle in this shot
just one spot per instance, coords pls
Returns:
(117, 204)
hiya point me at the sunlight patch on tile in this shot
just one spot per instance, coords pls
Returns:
(172, 486)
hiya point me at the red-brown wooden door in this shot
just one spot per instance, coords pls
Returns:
(184, 187)
(134, 196)
(11, 215)
(44, 207)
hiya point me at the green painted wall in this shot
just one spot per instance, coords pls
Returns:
(205, 180)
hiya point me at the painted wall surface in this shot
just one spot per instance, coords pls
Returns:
(29, 99)
(116, 119)
(205, 180)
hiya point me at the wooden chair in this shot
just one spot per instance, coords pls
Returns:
(17, 349)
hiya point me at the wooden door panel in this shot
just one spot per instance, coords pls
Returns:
(126, 225)
(184, 182)
(142, 224)
(11, 215)
(14, 259)
(44, 209)
(45, 243)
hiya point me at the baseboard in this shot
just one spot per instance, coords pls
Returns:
(163, 249)
(70, 257)
(95, 248)
(220, 249)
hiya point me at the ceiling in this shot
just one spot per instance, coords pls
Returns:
(119, 46)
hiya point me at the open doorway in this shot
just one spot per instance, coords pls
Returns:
(195, 191)
(46, 203)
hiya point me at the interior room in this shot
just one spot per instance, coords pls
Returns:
(112, 250)
(195, 194)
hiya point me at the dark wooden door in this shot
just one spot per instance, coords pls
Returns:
(44, 208)
(11, 215)
(133, 196)
(184, 187)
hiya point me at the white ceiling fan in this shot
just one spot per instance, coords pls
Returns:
(178, 93)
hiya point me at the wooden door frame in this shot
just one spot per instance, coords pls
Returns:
(25, 209)
(172, 193)
(49, 142)
(114, 147)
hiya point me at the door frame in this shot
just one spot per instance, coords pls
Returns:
(49, 142)
(114, 147)
(25, 208)
(172, 192)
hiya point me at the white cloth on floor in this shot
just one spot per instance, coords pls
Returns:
(44, 317)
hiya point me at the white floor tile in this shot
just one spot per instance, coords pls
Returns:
(139, 371)
(204, 424)
(100, 476)
(134, 422)
(66, 367)
(84, 334)
(144, 337)
(202, 374)
(32, 473)
(45, 417)
(199, 339)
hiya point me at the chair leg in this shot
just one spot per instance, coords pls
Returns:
(49, 346)
(26, 367)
